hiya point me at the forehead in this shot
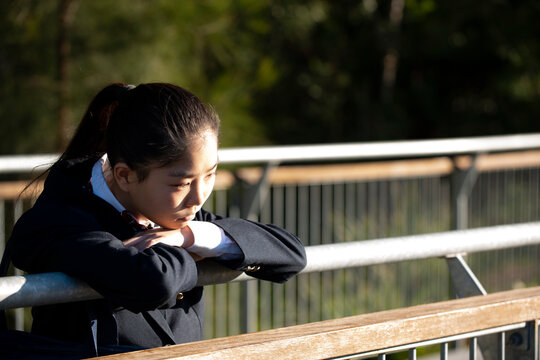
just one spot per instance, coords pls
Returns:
(199, 157)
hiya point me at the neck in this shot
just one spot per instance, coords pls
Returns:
(120, 195)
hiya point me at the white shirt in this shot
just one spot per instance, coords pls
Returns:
(209, 239)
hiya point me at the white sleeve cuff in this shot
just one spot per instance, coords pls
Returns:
(211, 241)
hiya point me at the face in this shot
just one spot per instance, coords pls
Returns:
(171, 195)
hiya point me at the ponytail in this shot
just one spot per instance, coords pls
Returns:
(89, 138)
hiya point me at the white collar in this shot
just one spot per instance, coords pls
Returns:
(100, 187)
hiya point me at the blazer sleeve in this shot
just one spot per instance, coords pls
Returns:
(270, 252)
(75, 243)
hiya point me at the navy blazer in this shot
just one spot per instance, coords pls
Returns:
(71, 230)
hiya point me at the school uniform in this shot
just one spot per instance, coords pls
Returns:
(150, 296)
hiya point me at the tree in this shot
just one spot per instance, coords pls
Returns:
(463, 70)
(281, 71)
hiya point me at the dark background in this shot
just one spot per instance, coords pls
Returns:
(278, 72)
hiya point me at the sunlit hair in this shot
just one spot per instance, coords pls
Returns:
(143, 126)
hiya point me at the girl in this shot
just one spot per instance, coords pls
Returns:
(122, 210)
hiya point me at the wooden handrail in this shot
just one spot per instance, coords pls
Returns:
(377, 170)
(362, 333)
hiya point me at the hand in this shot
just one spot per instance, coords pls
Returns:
(144, 240)
(195, 256)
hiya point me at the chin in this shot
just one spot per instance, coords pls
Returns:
(171, 225)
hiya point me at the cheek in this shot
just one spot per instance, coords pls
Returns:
(209, 186)
(174, 199)
(165, 200)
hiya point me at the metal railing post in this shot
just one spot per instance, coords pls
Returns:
(501, 346)
(250, 209)
(19, 313)
(462, 184)
(249, 300)
(523, 343)
(472, 348)
(465, 282)
(2, 226)
(534, 337)
(444, 351)
(257, 193)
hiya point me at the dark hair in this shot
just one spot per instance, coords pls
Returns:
(141, 126)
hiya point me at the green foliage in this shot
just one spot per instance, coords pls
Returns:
(295, 71)
(462, 70)
(26, 65)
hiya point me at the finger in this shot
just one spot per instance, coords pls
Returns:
(149, 238)
(141, 242)
(146, 243)
(134, 241)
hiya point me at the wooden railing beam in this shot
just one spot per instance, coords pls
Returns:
(363, 333)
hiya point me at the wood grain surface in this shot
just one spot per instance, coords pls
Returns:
(362, 333)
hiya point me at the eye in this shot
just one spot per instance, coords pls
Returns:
(181, 185)
(209, 177)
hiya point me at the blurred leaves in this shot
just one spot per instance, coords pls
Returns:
(283, 71)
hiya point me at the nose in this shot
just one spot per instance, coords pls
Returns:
(197, 195)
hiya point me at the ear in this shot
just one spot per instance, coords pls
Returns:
(124, 176)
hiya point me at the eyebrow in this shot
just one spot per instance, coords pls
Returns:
(182, 174)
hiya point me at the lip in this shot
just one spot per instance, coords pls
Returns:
(187, 218)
